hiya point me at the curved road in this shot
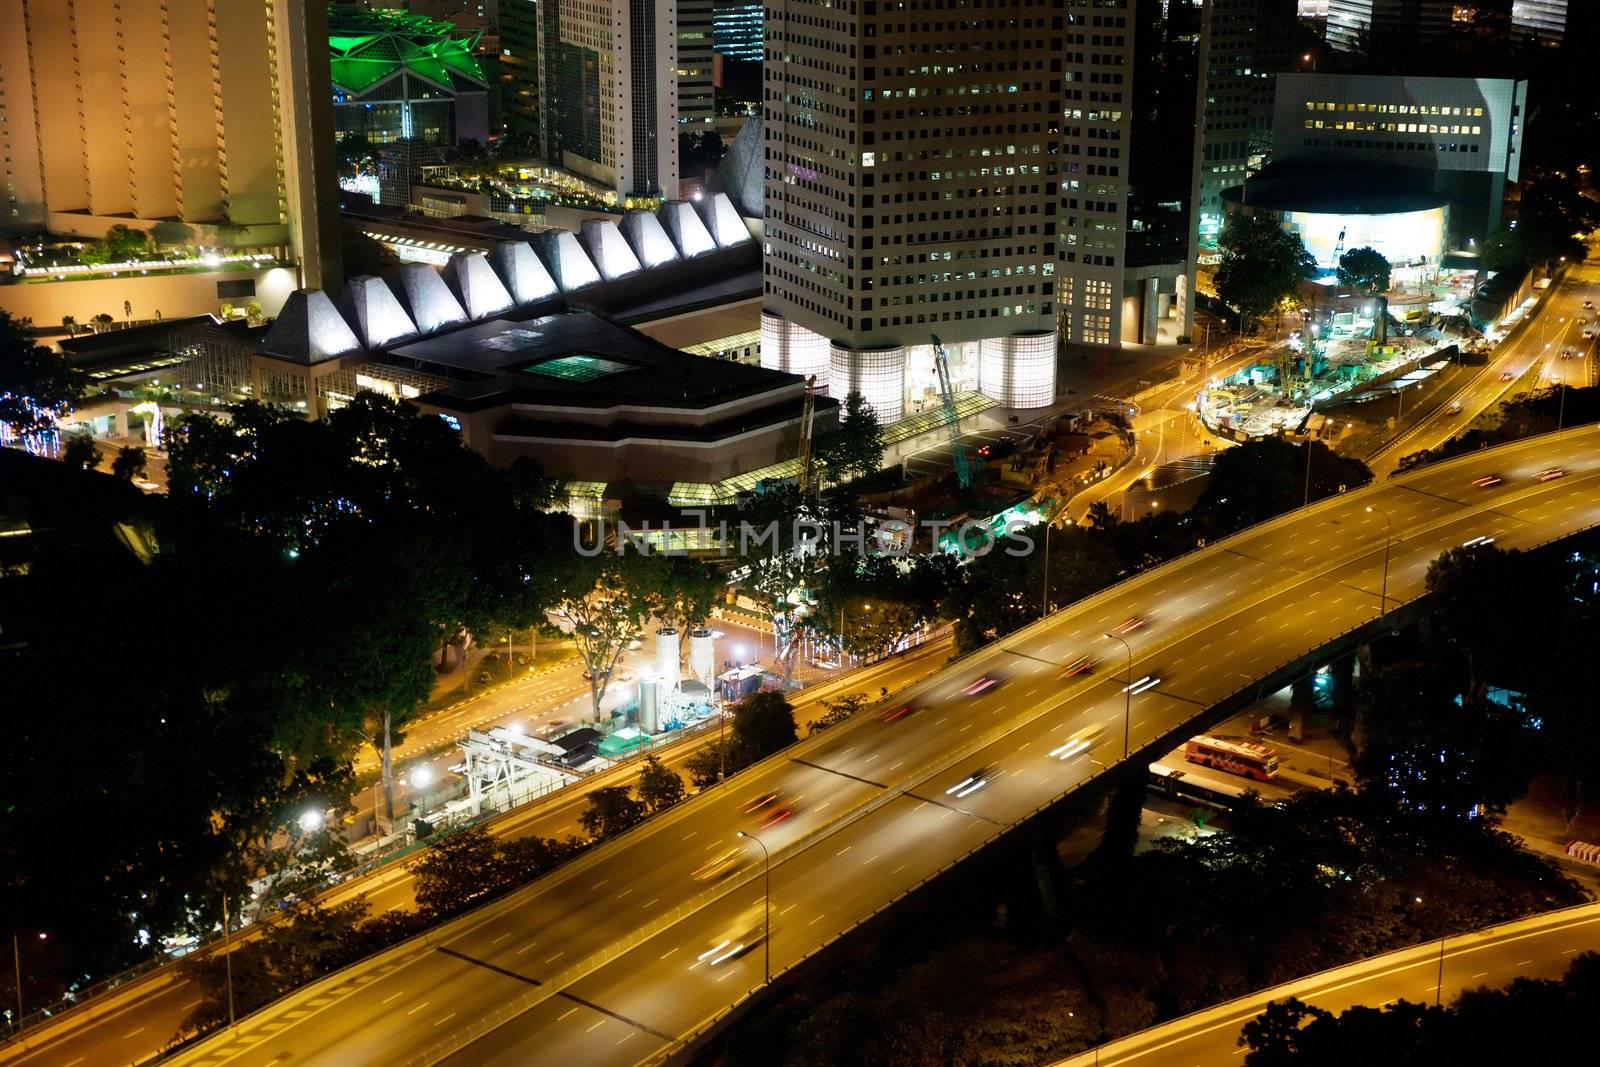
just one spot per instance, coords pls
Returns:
(600, 962)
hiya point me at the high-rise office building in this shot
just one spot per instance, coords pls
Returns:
(611, 92)
(911, 191)
(697, 104)
(1127, 171)
(213, 113)
(1357, 25)
(1543, 19)
(521, 114)
(739, 30)
(1245, 44)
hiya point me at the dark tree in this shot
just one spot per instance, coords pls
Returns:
(659, 787)
(763, 723)
(1364, 269)
(1262, 265)
(855, 448)
(37, 386)
(1267, 477)
(80, 451)
(611, 810)
(129, 463)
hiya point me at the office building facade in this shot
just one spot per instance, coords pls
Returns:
(1545, 20)
(911, 187)
(613, 90)
(521, 110)
(1393, 25)
(697, 104)
(738, 30)
(213, 114)
(1245, 45)
(1418, 144)
(1126, 272)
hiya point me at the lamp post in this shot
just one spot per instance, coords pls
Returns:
(1127, 693)
(16, 963)
(227, 956)
(1388, 538)
(766, 906)
(1047, 525)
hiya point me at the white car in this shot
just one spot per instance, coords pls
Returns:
(742, 936)
(1080, 742)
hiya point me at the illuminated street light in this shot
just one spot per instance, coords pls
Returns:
(422, 777)
(766, 905)
(1388, 537)
(311, 821)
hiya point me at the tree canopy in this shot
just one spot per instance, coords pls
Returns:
(1262, 265)
(1365, 269)
(37, 386)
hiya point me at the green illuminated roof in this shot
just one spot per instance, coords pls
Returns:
(368, 47)
(577, 368)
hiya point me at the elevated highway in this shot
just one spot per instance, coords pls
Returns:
(600, 963)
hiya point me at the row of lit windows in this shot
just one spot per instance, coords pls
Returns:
(1393, 127)
(1396, 109)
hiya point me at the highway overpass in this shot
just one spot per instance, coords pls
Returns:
(1538, 947)
(599, 963)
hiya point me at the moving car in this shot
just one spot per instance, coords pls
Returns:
(721, 865)
(1081, 665)
(1488, 481)
(1080, 742)
(1454, 408)
(1552, 474)
(981, 685)
(1129, 625)
(895, 714)
(749, 931)
(1507, 376)
(969, 785)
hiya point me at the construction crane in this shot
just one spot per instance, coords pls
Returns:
(958, 453)
(807, 413)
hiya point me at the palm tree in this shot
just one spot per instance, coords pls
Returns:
(102, 322)
(71, 324)
(1100, 516)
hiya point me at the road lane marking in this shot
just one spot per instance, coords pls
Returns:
(665, 954)
(566, 1013)
(501, 938)
(557, 956)
(135, 1033)
(690, 834)
(529, 947)
(396, 996)
(652, 901)
(447, 1018)
(598, 1024)
(418, 1008)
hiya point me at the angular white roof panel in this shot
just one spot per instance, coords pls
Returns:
(476, 285)
(523, 272)
(429, 300)
(722, 219)
(309, 330)
(679, 219)
(373, 313)
(609, 252)
(569, 264)
(648, 240)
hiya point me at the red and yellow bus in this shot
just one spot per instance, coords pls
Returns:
(1244, 758)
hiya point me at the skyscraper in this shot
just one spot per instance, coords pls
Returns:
(1245, 45)
(1127, 170)
(520, 107)
(611, 91)
(1355, 25)
(911, 190)
(697, 105)
(1544, 19)
(211, 113)
(739, 29)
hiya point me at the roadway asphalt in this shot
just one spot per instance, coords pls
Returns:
(142, 1018)
(598, 963)
(1530, 949)
(1539, 343)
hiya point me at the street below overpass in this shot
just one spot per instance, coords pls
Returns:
(1541, 946)
(602, 962)
(134, 1023)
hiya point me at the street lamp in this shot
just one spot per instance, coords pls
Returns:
(422, 777)
(1127, 693)
(1388, 537)
(311, 821)
(766, 905)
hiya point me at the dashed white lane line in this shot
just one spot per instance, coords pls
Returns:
(134, 1033)
(441, 1021)
(418, 1008)
(557, 956)
(529, 947)
(394, 997)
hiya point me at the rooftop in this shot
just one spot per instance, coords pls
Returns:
(576, 359)
(369, 47)
(1316, 186)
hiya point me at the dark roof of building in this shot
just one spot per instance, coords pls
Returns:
(574, 359)
(720, 430)
(1333, 188)
(578, 740)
